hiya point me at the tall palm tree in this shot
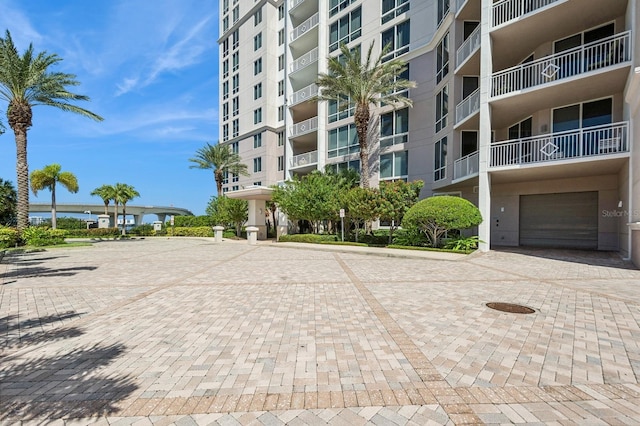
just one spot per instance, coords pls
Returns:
(26, 81)
(221, 159)
(47, 178)
(123, 194)
(353, 83)
(107, 193)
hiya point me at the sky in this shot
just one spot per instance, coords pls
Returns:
(150, 68)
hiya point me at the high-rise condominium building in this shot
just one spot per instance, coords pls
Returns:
(528, 108)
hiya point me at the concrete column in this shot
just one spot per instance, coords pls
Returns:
(103, 221)
(484, 135)
(252, 235)
(218, 230)
(137, 218)
(283, 225)
(161, 217)
(256, 218)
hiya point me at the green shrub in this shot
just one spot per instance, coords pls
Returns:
(37, 237)
(307, 238)
(461, 243)
(9, 237)
(436, 215)
(229, 233)
(94, 233)
(198, 231)
(144, 230)
(411, 237)
(70, 223)
(193, 221)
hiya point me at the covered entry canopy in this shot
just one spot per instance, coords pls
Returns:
(256, 196)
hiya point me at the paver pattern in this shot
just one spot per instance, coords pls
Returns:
(185, 331)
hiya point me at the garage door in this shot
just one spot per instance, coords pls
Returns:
(568, 220)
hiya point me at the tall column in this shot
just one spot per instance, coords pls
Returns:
(256, 217)
(484, 143)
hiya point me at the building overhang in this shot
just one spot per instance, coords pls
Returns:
(252, 192)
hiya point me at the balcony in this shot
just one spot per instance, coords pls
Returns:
(468, 48)
(304, 70)
(300, 10)
(304, 127)
(303, 95)
(585, 143)
(303, 160)
(304, 28)
(587, 58)
(508, 10)
(466, 167)
(469, 106)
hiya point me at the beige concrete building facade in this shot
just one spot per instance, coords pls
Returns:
(524, 107)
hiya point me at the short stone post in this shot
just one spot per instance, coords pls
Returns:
(252, 235)
(217, 230)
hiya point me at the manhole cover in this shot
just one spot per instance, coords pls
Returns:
(510, 307)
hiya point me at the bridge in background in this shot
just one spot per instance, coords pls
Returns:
(136, 211)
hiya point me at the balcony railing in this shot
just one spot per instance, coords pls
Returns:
(468, 106)
(304, 127)
(589, 57)
(459, 4)
(470, 45)
(466, 166)
(304, 27)
(303, 160)
(304, 61)
(586, 142)
(303, 94)
(508, 10)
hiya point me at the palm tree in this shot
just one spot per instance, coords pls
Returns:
(123, 194)
(8, 201)
(352, 83)
(26, 81)
(221, 159)
(47, 178)
(107, 193)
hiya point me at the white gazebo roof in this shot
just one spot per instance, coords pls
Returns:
(252, 192)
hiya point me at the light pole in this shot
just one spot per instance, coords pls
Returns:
(89, 213)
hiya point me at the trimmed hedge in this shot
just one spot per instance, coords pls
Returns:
(9, 237)
(38, 237)
(197, 231)
(307, 238)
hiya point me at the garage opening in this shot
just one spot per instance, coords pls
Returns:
(566, 220)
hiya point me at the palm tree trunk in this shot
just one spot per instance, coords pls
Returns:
(54, 222)
(361, 119)
(115, 215)
(22, 171)
(124, 219)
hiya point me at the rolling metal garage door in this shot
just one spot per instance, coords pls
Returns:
(568, 220)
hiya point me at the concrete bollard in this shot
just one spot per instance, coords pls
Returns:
(217, 230)
(252, 235)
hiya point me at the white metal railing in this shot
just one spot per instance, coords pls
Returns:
(470, 45)
(468, 106)
(459, 4)
(304, 27)
(305, 60)
(303, 94)
(303, 159)
(466, 166)
(508, 10)
(304, 127)
(580, 143)
(593, 56)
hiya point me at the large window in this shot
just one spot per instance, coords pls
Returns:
(442, 108)
(336, 6)
(257, 116)
(281, 163)
(235, 36)
(345, 29)
(236, 106)
(394, 127)
(338, 167)
(236, 128)
(225, 132)
(235, 147)
(257, 17)
(398, 38)
(236, 83)
(394, 166)
(587, 114)
(236, 61)
(225, 68)
(257, 91)
(393, 8)
(225, 89)
(257, 140)
(440, 160)
(257, 41)
(225, 111)
(338, 111)
(521, 130)
(257, 164)
(343, 141)
(257, 66)
(442, 58)
(443, 10)
(280, 138)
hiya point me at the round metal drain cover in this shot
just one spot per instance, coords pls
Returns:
(512, 308)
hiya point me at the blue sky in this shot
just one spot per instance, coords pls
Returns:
(150, 68)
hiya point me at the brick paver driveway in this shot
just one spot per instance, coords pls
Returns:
(186, 331)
